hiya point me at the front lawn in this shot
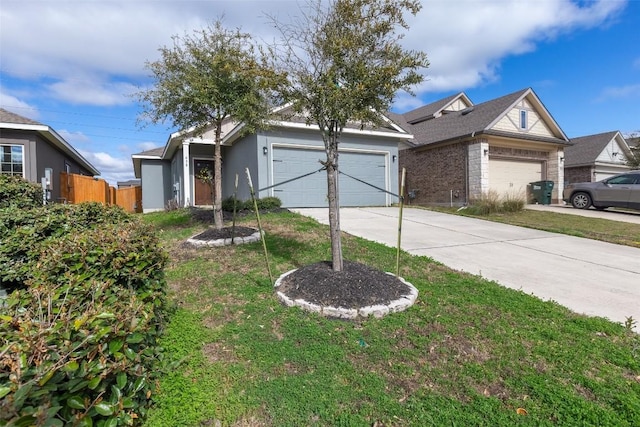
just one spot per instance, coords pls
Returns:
(622, 233)
(469, 353)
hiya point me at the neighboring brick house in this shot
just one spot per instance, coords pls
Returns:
(595, 157)
(35, 152)
(461, 150)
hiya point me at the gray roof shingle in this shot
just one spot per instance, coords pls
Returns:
(9, 117)
(464, 123)
(154, 152)
(427, 111)
(585, 149)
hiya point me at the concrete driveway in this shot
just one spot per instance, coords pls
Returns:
(587, 276)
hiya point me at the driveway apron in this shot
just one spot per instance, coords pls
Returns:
(587, 276)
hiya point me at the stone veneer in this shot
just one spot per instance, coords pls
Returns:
(255, 237)
(376, 311)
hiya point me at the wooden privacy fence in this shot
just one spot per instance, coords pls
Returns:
(80, 188)
(129, 199)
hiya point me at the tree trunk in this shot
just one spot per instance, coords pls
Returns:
(217, 179)
(334, 204)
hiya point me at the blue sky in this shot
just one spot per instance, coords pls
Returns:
(72, 64)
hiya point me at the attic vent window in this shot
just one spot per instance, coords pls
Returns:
(523, 119)
(466, 111)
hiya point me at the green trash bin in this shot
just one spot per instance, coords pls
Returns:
(541, 191)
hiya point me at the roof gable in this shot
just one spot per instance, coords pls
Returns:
(452, 103)
(489, 117)
(9, 120)
(9, 117)
(587, 150)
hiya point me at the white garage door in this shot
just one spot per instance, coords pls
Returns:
(513, 176)
(311, 191)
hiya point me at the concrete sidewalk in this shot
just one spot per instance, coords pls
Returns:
(587, 276)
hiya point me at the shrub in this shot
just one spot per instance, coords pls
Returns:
(513, 202)
(78, 342)
(26, 231)
(491, 202)
(81, 352)
(487, 203)
(227, 204)
(268, 203)
(16, 191)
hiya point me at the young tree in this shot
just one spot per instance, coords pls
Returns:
(206, 78)
(634, 144)
(345, 63)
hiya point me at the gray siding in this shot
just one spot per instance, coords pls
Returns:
(39, 155)
(350, 143)
(156, 184)
(244, 155)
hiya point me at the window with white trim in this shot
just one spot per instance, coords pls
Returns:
(12, 160)
(523, 119)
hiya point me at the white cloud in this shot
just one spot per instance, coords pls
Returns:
(110, 41)
(112, 169)
(17, 106)
(73, 138)
(466, 40)
(619, 92)
(92, 92)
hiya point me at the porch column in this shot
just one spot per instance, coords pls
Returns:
(186, 173)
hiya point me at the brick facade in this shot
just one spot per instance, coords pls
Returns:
(436, 176)
(578, 174)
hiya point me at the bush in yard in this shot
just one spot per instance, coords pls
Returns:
(266, 203)
(16, 191)
(491, 202)
(513, 202)
(227, 204)
(78, 339)
(25, 231)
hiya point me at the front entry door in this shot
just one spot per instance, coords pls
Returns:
(203, 190)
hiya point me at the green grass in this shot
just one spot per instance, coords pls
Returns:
(469, 353)
(621, 233)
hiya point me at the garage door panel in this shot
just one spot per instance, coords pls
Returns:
(311, 191)
(513, 176)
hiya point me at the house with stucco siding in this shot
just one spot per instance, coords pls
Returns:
(37, 153)
(285, 161)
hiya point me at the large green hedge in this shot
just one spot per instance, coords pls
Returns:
(78, 333)
(15, 191)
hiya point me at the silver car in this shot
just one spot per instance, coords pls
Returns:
(620, 191)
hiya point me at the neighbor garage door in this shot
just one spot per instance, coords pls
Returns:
(311, 191)
(513, 176)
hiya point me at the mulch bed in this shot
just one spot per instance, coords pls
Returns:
(356, 286)
(225, 233)
(206, 215)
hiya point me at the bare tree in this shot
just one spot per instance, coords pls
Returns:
(206, 78)
(345, 64)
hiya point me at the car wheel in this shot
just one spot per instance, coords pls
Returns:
(581, 200)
